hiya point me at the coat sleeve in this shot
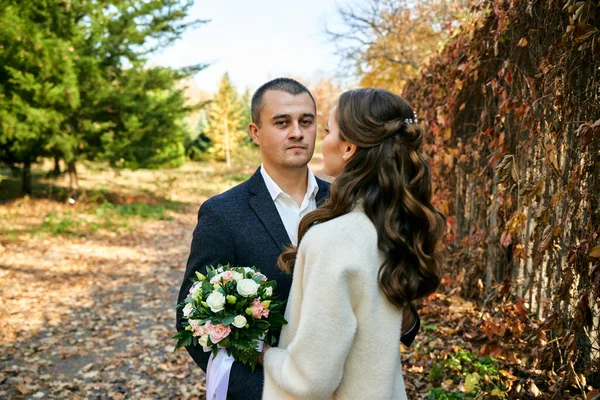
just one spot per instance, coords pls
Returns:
(326, 325)
(409, 337)
(212, 244)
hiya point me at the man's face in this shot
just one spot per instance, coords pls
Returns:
(287, 130)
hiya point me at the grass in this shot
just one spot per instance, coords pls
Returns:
(112, 200)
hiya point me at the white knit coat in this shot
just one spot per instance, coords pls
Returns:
(343, 335)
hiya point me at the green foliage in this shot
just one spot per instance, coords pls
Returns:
(61, 224)
(197, 143)
(74, 82)
(441, 394)
(38, 83)
(477, 374)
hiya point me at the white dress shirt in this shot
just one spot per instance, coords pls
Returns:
(288, 209)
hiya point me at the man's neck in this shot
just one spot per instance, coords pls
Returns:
(293, 181)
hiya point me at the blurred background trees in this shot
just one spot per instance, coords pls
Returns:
(384, 42)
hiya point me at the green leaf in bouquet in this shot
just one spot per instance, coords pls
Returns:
(207, 288)
(228, 320)
(260, 324)
(257, 278)
(200, 277)
(184, 339)
(210, 273)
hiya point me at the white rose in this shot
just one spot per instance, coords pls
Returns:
(220, 269)
(239, 321)
(187, 310)
(203, 341)
(237, 276)
(216, 301)
(247, 287)
(246, 270)
(269, 291)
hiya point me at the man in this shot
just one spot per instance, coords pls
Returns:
(252, 223)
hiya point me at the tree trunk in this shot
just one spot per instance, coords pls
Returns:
(492, 256)
(73, 183)
(26, 182)
(227, 147)
(56, 171)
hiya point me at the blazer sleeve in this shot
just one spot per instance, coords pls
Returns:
(212, 244)
(409, 337)
(327, 325)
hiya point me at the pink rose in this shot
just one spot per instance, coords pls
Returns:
(199, 330)
(258, 309)
(226, 276)
(217, 332)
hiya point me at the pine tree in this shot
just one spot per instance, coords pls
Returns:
(38, 84)
(131, 116)
(225, 117)
(74, 83)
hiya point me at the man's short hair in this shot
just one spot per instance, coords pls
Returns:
(287, 85)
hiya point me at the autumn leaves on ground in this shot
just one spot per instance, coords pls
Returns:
(87, 292)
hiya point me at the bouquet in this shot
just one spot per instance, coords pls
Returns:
(231, 308)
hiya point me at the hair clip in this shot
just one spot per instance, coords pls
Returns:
(409, 121)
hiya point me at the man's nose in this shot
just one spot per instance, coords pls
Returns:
(296, 132)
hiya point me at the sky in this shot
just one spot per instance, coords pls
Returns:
(257, 40)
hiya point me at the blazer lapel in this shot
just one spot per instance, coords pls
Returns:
(323, 193)
(264, 207)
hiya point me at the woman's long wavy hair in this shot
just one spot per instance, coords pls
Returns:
(390, 175)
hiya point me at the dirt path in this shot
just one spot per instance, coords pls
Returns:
(92, 317)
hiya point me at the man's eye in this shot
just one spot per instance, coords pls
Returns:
(307, 122)
(280, 123)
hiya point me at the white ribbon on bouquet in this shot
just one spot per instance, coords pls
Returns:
(217, 374)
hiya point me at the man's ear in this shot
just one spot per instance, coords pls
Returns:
(253, 131)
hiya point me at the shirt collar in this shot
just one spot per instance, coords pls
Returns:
(275, 190)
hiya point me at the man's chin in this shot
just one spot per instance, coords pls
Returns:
(299, 162)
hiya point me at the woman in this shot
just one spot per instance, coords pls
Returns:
(363, 256)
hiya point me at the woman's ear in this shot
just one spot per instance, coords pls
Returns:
(349, 150)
